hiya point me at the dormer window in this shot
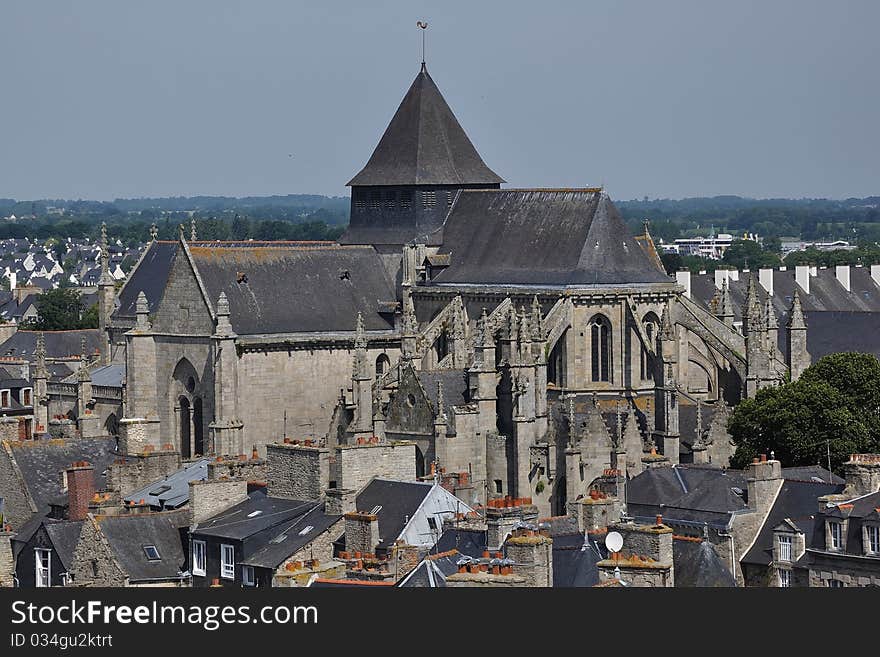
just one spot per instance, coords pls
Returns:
(784, 543)
(835, 535)
(4, 398)
(872, 539)
(26, 396)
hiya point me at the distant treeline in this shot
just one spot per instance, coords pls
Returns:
(854, 219)
(294, 217)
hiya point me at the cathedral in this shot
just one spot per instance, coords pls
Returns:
(523, 340)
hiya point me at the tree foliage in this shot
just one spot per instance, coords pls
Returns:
(835, 405)
(62, 309)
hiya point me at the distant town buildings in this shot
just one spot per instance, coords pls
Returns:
(711, 247)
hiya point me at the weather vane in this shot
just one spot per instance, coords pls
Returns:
(423, 25)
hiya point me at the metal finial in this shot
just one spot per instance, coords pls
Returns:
(423, 25)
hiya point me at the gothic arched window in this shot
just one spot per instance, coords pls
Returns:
(600, 345)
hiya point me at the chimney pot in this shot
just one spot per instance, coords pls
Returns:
(763, 458)
(659, 519)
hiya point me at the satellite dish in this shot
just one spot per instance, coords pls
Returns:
(614, 542)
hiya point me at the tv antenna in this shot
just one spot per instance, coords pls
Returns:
(423, 26)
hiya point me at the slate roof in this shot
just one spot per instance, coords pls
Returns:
(798, 501)
(150, 275)
(238, 522)
(59, 344)
(424, 144)
(296, 287)
(432, 571)
(127, 536)
(64, 535)
(855, 510)
(398, 500)
(290, 537)
(697, 564)
(42, 461)
(541, 237)
(172, 491)
(573, 564)
(469, 542)
(455, 386)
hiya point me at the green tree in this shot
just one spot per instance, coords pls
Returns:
(834, 406)
(743, 254)
(62, 309)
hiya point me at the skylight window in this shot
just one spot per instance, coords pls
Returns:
(152, 553)
(306, 530)
(254, 514)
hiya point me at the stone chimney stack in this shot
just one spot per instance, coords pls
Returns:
(532, 556)
(340, 501)
(80, 489)
(505, 513)
(361, 532)
(7, 561)
(297, 472)
(764, 479)
(862, 474)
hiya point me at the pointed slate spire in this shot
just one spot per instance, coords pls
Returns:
(796, 316)
(424, 144)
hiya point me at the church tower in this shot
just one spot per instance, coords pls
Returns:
(410, 181)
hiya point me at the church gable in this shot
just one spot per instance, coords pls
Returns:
(409, 410)
(182, 308)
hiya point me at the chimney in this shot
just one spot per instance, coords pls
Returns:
(683, 277)
(765, 278)
(80, 489)
(340, 501)
(875, 273)
(721, 275)
(764, 480)
(297, 472)
(862, 474)
(7, 561)
(841, 272)
(532, 555)
(732, 275)
(361, 532)
(802, 277)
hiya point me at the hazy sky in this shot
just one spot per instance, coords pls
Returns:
(105, 99)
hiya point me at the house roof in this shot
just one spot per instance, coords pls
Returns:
(64, 535)
(296, 287)
(289, 537)
(41, 463)
(797, 500)
(424, 144)
(469, 542)
(59, 344)
(397, 502)
(697, 564)
(129, 534)
(574, 563)
(172, 491)
(257, 513)
(432, 571)
(553, 237)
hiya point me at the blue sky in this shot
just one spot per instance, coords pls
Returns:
(105, 99)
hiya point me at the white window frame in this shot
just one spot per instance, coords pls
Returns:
(199, 557)
(872, 542)
(42, 573)
(784, 578)
(784, 547)
(248, 576)
(227, 566)
(835, 531)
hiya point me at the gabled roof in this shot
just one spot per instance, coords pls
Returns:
(550, 237)
(64, 535)
(59, 344)
(129, 534)
(574, 561)
(150, 275)
(424, 144)
(42, 462)
(399, 501)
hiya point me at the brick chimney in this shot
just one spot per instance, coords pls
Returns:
(80, 489)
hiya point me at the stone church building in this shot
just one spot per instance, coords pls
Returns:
(523, 339)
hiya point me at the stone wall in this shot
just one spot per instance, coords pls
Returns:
(62, 428)
(7, 562)
(208, 498)
(136, 434)
(320, 548)
(18, 505)
(8, 428)
(132, 473)
(297, 472)
(532, 555)
(248, 470)
(93, 561)
(357, 464)
(361, 532)
(311, 383)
